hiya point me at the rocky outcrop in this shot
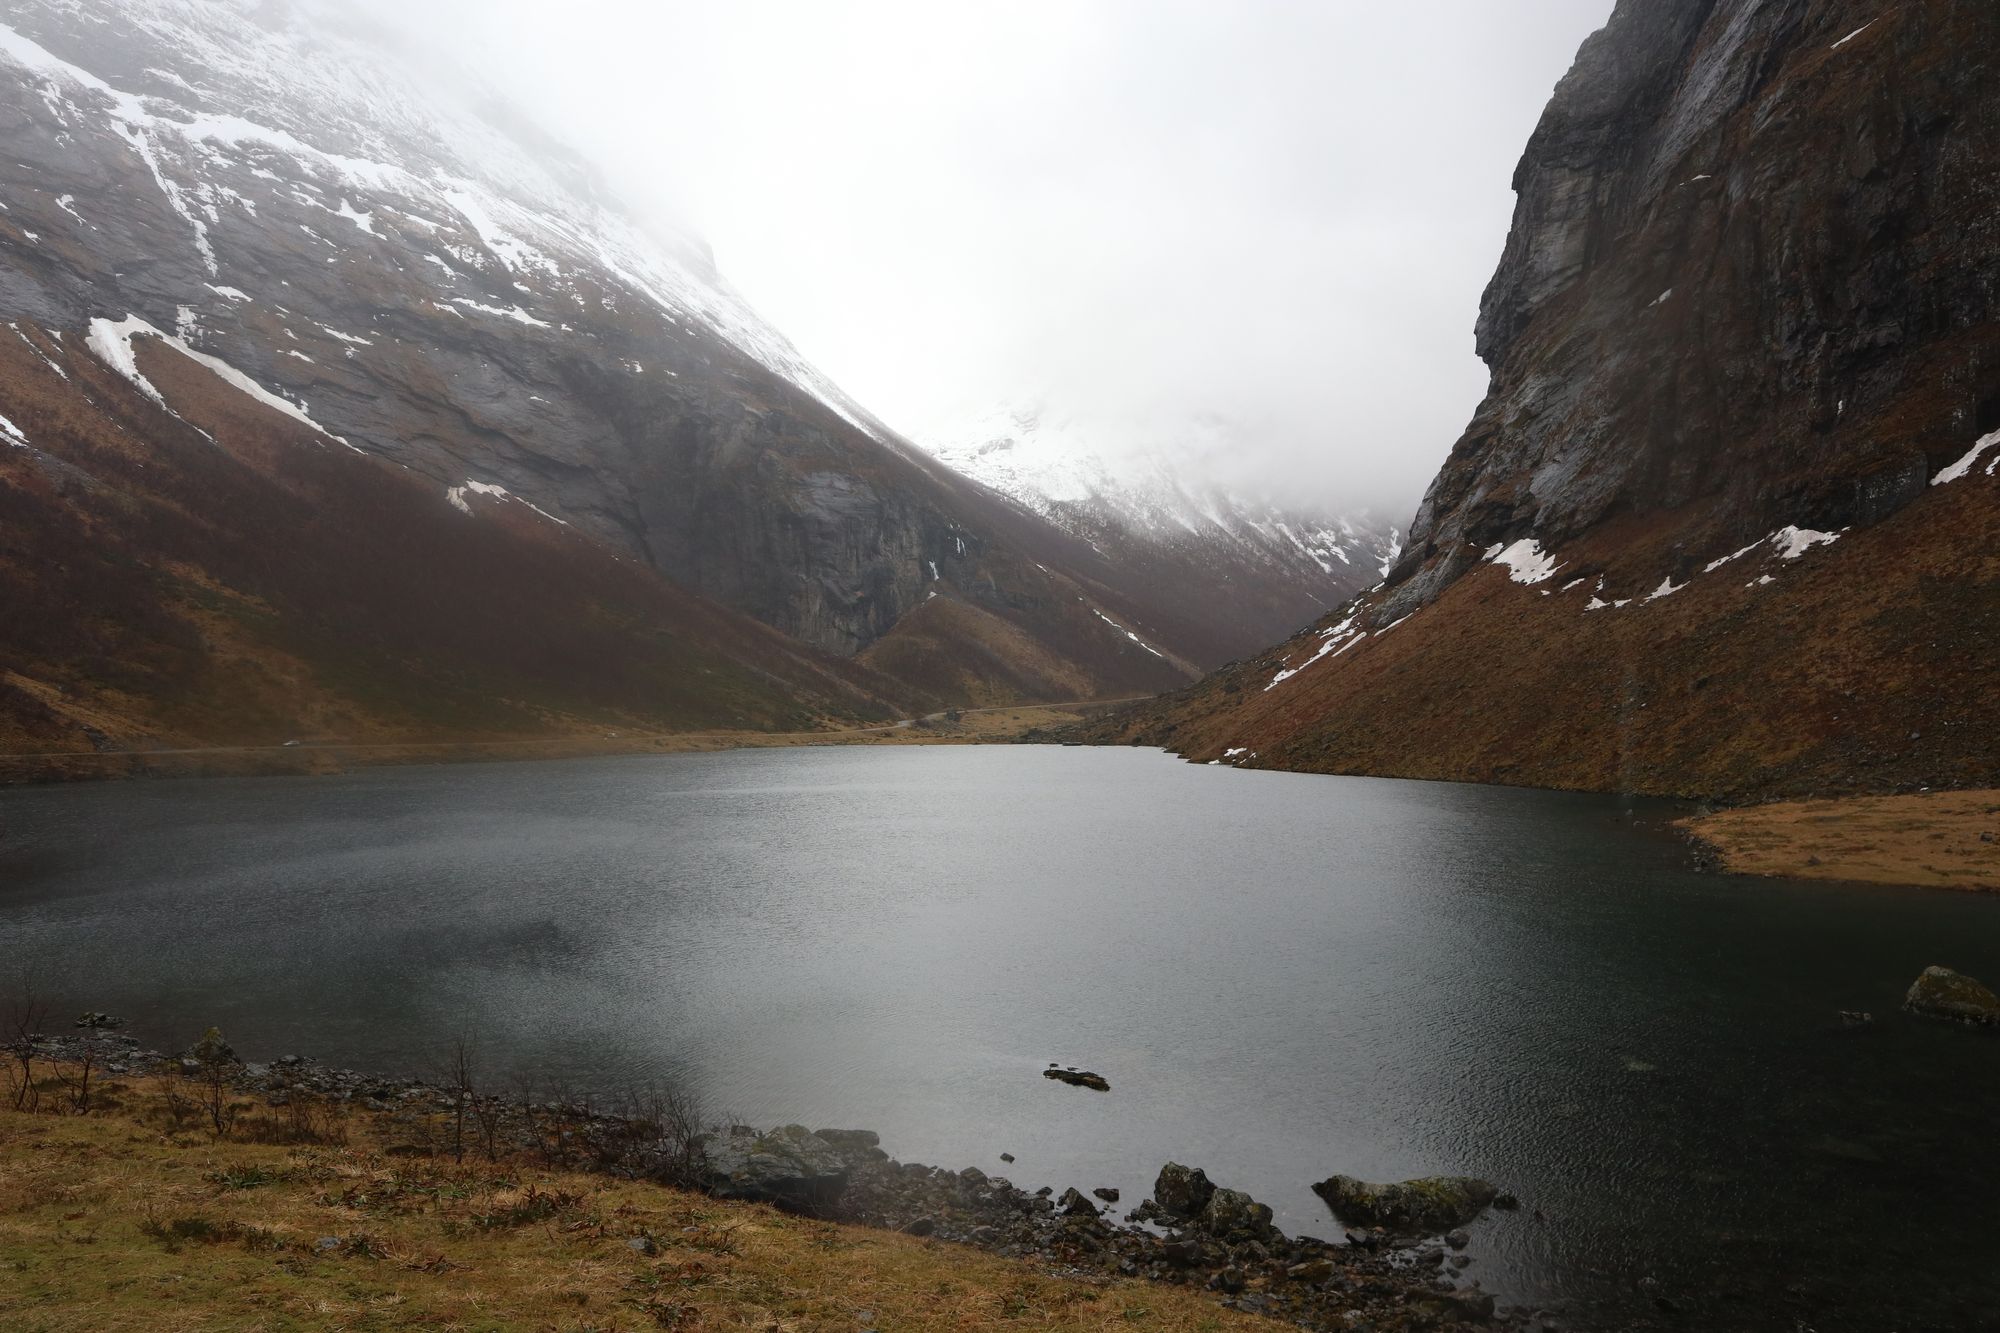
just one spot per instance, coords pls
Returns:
(1430, 1205)
(789, 1166)
(1942, 993)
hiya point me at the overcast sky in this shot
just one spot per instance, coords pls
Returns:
(1276, 214)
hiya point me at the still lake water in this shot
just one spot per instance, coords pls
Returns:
(1282, 976)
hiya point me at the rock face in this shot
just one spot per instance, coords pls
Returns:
(1725, 522)
(791, 1167)
(1430, 1205)
(1735, 254)
(1943, 993)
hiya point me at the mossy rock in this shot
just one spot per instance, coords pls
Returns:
(1943, 993)
(1427, 1205)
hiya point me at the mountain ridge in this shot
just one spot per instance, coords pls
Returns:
(247, 187)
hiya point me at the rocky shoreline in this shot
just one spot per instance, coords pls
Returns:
(1401, 1267)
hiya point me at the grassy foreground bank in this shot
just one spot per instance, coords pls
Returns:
(1945, 839)
(135, 1217)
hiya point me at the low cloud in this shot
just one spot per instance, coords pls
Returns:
(1275, 215)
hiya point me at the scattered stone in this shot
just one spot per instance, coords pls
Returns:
(1856, 1018)
(922, 1226)
(1429, 1205)
(1943, 993)
(1458, 1239)
(1313, 1272)
(1505, 1202)
(643, 1245)
(325, 1243)
(1078, 1079)
(1007, 1157)
(1106, 1193)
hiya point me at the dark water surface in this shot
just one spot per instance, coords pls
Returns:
(1282, 976)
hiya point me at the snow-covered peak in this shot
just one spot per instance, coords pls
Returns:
(1053, 464)
(228, 103)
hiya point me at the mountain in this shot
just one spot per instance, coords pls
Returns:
(1246, 569)
(1728, 520)
(260, 273)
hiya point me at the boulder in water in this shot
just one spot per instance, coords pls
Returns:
(1078, 1078)
(1943, 993)
(1429, 1205)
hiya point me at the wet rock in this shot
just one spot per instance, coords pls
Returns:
(1074, 1204)
(1007, 1157)
(1106, 1193)
(1458, 1239)
(1429, 1204)
(1855, 1018)
(1182, 1191)
(857, 1145)
(1232, 1213)
(1943, 993)
(791, 1167)
(1078, 1078)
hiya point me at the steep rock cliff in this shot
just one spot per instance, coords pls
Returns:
(1726, 520)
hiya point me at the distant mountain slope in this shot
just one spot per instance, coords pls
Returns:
(1245, 568)
(1726, 522)
(371, 254)
(219, 573)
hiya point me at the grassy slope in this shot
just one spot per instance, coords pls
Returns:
(123, 1221)
(1932, 839)
(1866, 666)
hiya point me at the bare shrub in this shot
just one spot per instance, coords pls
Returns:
(21, 1021)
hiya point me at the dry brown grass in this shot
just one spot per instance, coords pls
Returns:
(973, 727)
(121, 1221)
(1931, 839)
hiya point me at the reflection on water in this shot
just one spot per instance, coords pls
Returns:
(1282, 976)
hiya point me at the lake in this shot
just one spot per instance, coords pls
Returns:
(1282, 976)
